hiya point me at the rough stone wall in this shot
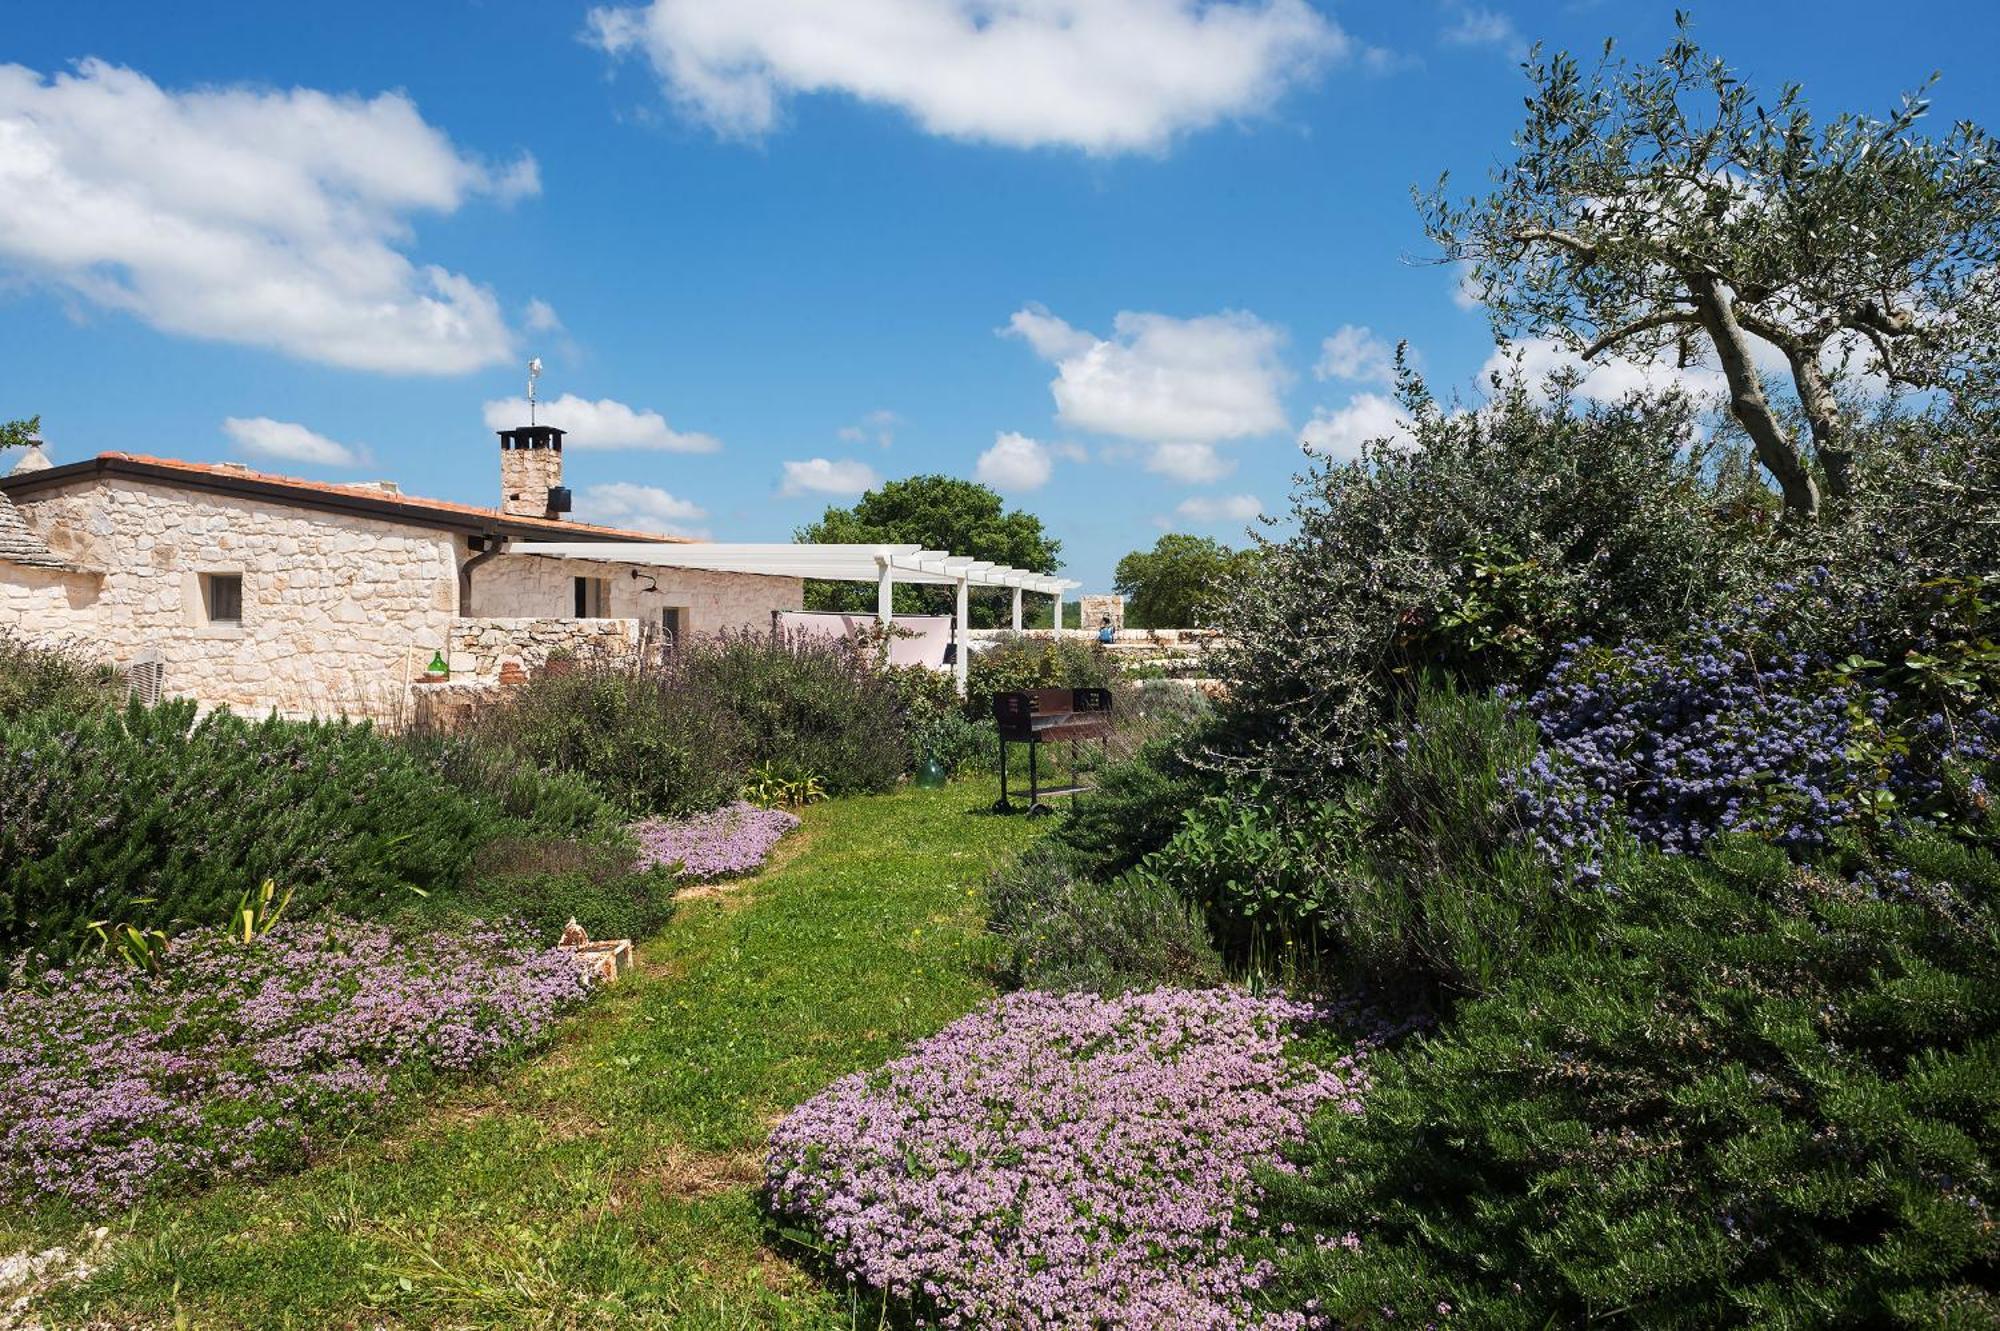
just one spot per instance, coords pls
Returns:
(1096, 609)
(47, 602)
(526, 477)
(339, 612)
(534, 587)
(480, 646)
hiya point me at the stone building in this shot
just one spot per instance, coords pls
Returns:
(263, 592)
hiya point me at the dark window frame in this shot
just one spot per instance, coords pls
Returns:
(222, 593)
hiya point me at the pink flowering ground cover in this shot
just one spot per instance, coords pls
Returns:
(1064, 1161)
(243, 1056)
(721, 843)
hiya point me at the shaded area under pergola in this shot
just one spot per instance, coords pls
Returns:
(883, 565)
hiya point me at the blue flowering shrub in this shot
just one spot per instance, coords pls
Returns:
(1740, 729)
(1765, 1095)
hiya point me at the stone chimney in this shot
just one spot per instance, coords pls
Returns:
(531, 472)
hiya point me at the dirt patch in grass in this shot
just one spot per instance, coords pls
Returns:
(682, 1172)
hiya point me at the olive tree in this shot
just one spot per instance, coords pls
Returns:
(19, 434)
(1663, 205)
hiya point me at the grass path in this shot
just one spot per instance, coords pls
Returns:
(611, 1181)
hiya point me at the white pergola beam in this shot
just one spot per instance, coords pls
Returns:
(883, 565)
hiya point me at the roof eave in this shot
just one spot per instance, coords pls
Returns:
(388, 508)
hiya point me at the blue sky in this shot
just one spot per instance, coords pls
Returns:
(770, 250)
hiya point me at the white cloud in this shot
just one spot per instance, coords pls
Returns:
(541, 317)
(1104, 76)
(288, 441)
(265, 217)
(1475, 25)
(1195, 464)
(1015, 463)
(646, 506)
(1608, 378)
(879, 426)
(604, 423)
(1181, 385)
(1217, 509)
(1366, 419)
(1355, 354)
(827, 476)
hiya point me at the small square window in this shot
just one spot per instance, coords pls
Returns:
(593, 598)
(222, 597)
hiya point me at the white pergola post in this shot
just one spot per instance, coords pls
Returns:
(963, 648)
(1017, 610)
(1055, 622)
(885, 593)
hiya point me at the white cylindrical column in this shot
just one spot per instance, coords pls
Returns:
(1055, 621)
(1017, 610)
(964, 646)
(885, 594)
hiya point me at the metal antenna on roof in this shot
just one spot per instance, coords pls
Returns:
(534, 373)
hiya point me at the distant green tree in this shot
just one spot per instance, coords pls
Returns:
(938, 513)
(1175, 584)
(16, 434)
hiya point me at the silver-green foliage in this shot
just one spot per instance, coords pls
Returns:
(1474, 552)
(1664, 205)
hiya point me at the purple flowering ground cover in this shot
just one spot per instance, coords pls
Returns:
(1064, 1161)
(244, 1056)
(722, 843)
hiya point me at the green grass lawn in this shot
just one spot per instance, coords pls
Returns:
(611, 1181)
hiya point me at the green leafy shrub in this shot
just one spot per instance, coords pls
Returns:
(935, 720)
(545, 884)
(1439, 889)
(1420, 883)
(1013, 662)
(1475, 552)
(806, 703)
(1767, 1095)
(1257, 874)
(1061, 931)
(34, 676)
(646, 745)
(550, 803)
(154, 817)
(1135, 809)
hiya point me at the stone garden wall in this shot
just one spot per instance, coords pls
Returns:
(479, 647)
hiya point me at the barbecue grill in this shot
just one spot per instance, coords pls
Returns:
(1037, 716)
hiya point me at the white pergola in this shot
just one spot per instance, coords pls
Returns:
(883, 565)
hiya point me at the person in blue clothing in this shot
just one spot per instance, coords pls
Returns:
(1105, 633)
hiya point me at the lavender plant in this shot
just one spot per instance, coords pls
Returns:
(245, 1056)
(722, 843)
(1064, 1161)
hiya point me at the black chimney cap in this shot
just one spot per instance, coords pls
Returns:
(532, 436)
